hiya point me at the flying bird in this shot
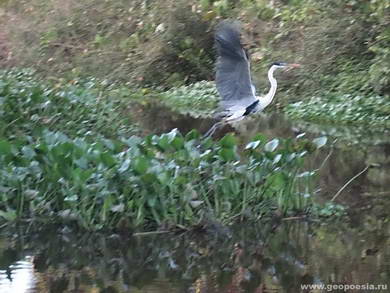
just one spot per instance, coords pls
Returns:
(233, 78)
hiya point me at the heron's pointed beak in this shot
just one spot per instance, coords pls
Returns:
(292, 65)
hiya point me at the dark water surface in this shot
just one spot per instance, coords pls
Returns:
(273, 257)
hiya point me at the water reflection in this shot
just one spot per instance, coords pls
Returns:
(18, 277)
(259, 258)
(157, 118)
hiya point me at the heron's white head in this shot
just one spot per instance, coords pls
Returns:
(285, 65)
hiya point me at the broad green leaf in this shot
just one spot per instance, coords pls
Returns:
(172, 134)
(320, 141)
(196, 203)
(124, 166)
(152, 201)
(72, 198)
(149, 178)
(132, 141)
(261, 137)
(253, 145)
(28, 152)
(109, 143)
(82, 162)
(31, 193)
(86, 174)
(5, 147)
(141, 165)
(306, 174)
(228, 141)
(9, 215)
(81, 176)
(178, 142)
(163, 142)
(271, 145)
(163, 178)
(66, 147)
(278, 180)
(227, 154)
(146, 150)
(180, 180)
(193, 134)
(107, 159)
(277, 159)
(119, 208)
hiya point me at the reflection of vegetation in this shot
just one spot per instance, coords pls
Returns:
(64, 156)
(264, 256)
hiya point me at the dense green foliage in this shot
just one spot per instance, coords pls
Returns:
(343, 46)
(198, 99)
(161, 179)
(79, 108)
(373, 111)
(63, 158)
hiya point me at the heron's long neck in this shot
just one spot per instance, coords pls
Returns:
(267, 99)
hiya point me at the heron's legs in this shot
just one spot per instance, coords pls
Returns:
(213, 128)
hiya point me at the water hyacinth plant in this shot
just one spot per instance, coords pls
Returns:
(344, 109)
(167, 179)
(78, 108)
(200, 98)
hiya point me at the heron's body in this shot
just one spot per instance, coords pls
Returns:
(233, 78)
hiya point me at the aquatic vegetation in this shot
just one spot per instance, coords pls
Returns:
(346, 109)
(198, 99)
(168, 179)
(87, 108)
(330, 209)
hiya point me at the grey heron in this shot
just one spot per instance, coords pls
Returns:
(233, 78)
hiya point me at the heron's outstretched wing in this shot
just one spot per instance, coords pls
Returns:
(233, 77)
